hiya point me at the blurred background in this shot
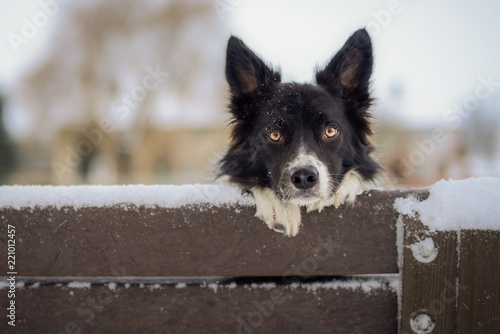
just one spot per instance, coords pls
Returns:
(124, 91)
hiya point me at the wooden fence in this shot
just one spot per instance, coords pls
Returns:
(216, 269)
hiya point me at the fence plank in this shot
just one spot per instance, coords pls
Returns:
(429, 288)
(200, 245)
(203, 241)
(203, 309)
(479, 282)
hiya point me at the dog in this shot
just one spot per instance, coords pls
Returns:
(300, 144)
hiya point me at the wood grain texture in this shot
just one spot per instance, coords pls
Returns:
(429, 288)
(459, 289)
(202, 309)
(479, 282)
(203, 241)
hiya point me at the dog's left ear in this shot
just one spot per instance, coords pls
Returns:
(348, 73)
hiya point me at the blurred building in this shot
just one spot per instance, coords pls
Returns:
(7, 150)
(420, 156)
(127, 91)
(133, 92)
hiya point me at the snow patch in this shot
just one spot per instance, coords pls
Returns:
(266, 286)
(180, 285)
(79, 285)
(112, 286)
(457, 205)
(405, 205)
(154, 286)
(165, 196)
(395, 285)
(213, 286)
(366, 286)
(6, 285)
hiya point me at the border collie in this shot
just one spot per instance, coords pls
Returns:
(295, 144)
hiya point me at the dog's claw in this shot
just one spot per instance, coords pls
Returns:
(340, 196)
(314, 206)
(321, 204)
(280, 228)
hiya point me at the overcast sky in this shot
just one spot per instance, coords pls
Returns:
(435, 50)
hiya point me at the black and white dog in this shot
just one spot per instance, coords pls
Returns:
(299, 144)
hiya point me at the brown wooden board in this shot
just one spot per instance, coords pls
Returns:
(479, 282)
(202, 309)
(202, 241)
(429, 288)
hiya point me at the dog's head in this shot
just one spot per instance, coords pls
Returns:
(299, 139)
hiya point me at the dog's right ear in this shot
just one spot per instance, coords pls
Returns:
(245, 71)
(350, 69)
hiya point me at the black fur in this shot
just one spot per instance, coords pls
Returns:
(260, 103)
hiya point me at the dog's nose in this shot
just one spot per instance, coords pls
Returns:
(304, 177)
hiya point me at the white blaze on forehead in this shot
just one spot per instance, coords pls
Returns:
(304, 159)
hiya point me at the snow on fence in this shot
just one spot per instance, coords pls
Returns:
(193, 259)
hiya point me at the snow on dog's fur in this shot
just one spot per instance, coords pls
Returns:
(299, 144)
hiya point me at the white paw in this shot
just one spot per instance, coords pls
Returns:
(352, 184)
(336, 200)
(279, 216)
(321, 204)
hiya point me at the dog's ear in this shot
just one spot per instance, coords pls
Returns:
(245, 71)
(348, 73)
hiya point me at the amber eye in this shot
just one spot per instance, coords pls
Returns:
(330, 132)
(275, 135)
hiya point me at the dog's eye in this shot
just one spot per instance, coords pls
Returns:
(330, 131)
(275, 135)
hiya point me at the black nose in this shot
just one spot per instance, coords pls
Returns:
(304, 177)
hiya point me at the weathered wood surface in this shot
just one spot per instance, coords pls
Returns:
(203, 309)
(203, 241)
(429, 288)
(479, 282)
(459, 289)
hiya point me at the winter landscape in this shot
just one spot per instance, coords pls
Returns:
(113, 115)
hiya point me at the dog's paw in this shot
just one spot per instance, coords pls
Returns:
(321, 204)
(352, 184)
(279, 216)
(339, 198)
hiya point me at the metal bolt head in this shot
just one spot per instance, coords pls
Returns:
(422, 323)
(424, 251)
